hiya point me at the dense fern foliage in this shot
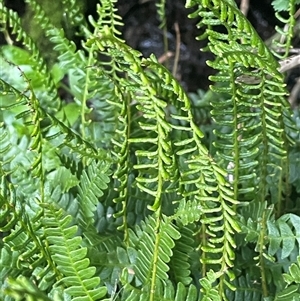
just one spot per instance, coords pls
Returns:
(120, 190)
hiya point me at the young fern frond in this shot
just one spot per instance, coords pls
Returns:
(108, 18)
(159, 146)
(156, 165)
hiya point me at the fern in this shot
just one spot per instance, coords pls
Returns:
(245, 134)
(125, 193)
(70, 258)
(284, 41)
(11, 21)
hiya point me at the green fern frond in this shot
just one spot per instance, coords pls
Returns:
(283, 42)
(153, 111)
(76, 167)
(10, 20)
(154, 240)
(208, 292)
(74, 14)
(108, 18)
(254, 126)
(24, 251)
(160, 157)
(161, 12)
(92, 184)
(180, 263)
(21, 288)
(247, 289)
(72, 62)
(198, 173)
(294, 273)
(165, 291)
(283, 235)
(66, 250)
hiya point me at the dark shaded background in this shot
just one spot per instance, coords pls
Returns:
(142, 32)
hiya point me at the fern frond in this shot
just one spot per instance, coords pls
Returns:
(283, 235)
(22, 287)
(72, 62)
(255, 128)
(294, 273)
(74, 14)
(108, 18)
(165, 291)
(154, 240)
(24, 251)
(247, 289)
(208, 292)
(159, 154)
(180, 267)
(161, 12)
(68, 254)
(283, 42)
(10, 20)
(200, 177)
(92, 184)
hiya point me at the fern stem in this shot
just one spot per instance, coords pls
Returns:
(155, 253)
(261, 243)
(236, 137)
(203, 243)
(264, 156)
(86, 91)
(125, 201)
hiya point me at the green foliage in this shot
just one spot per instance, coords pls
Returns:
(125, 189)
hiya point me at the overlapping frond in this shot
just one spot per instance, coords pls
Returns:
(155, 239)
(253, 140)
(200, 178)
(21, 288)
(157, 156)
(23, 251)
(132, 158)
